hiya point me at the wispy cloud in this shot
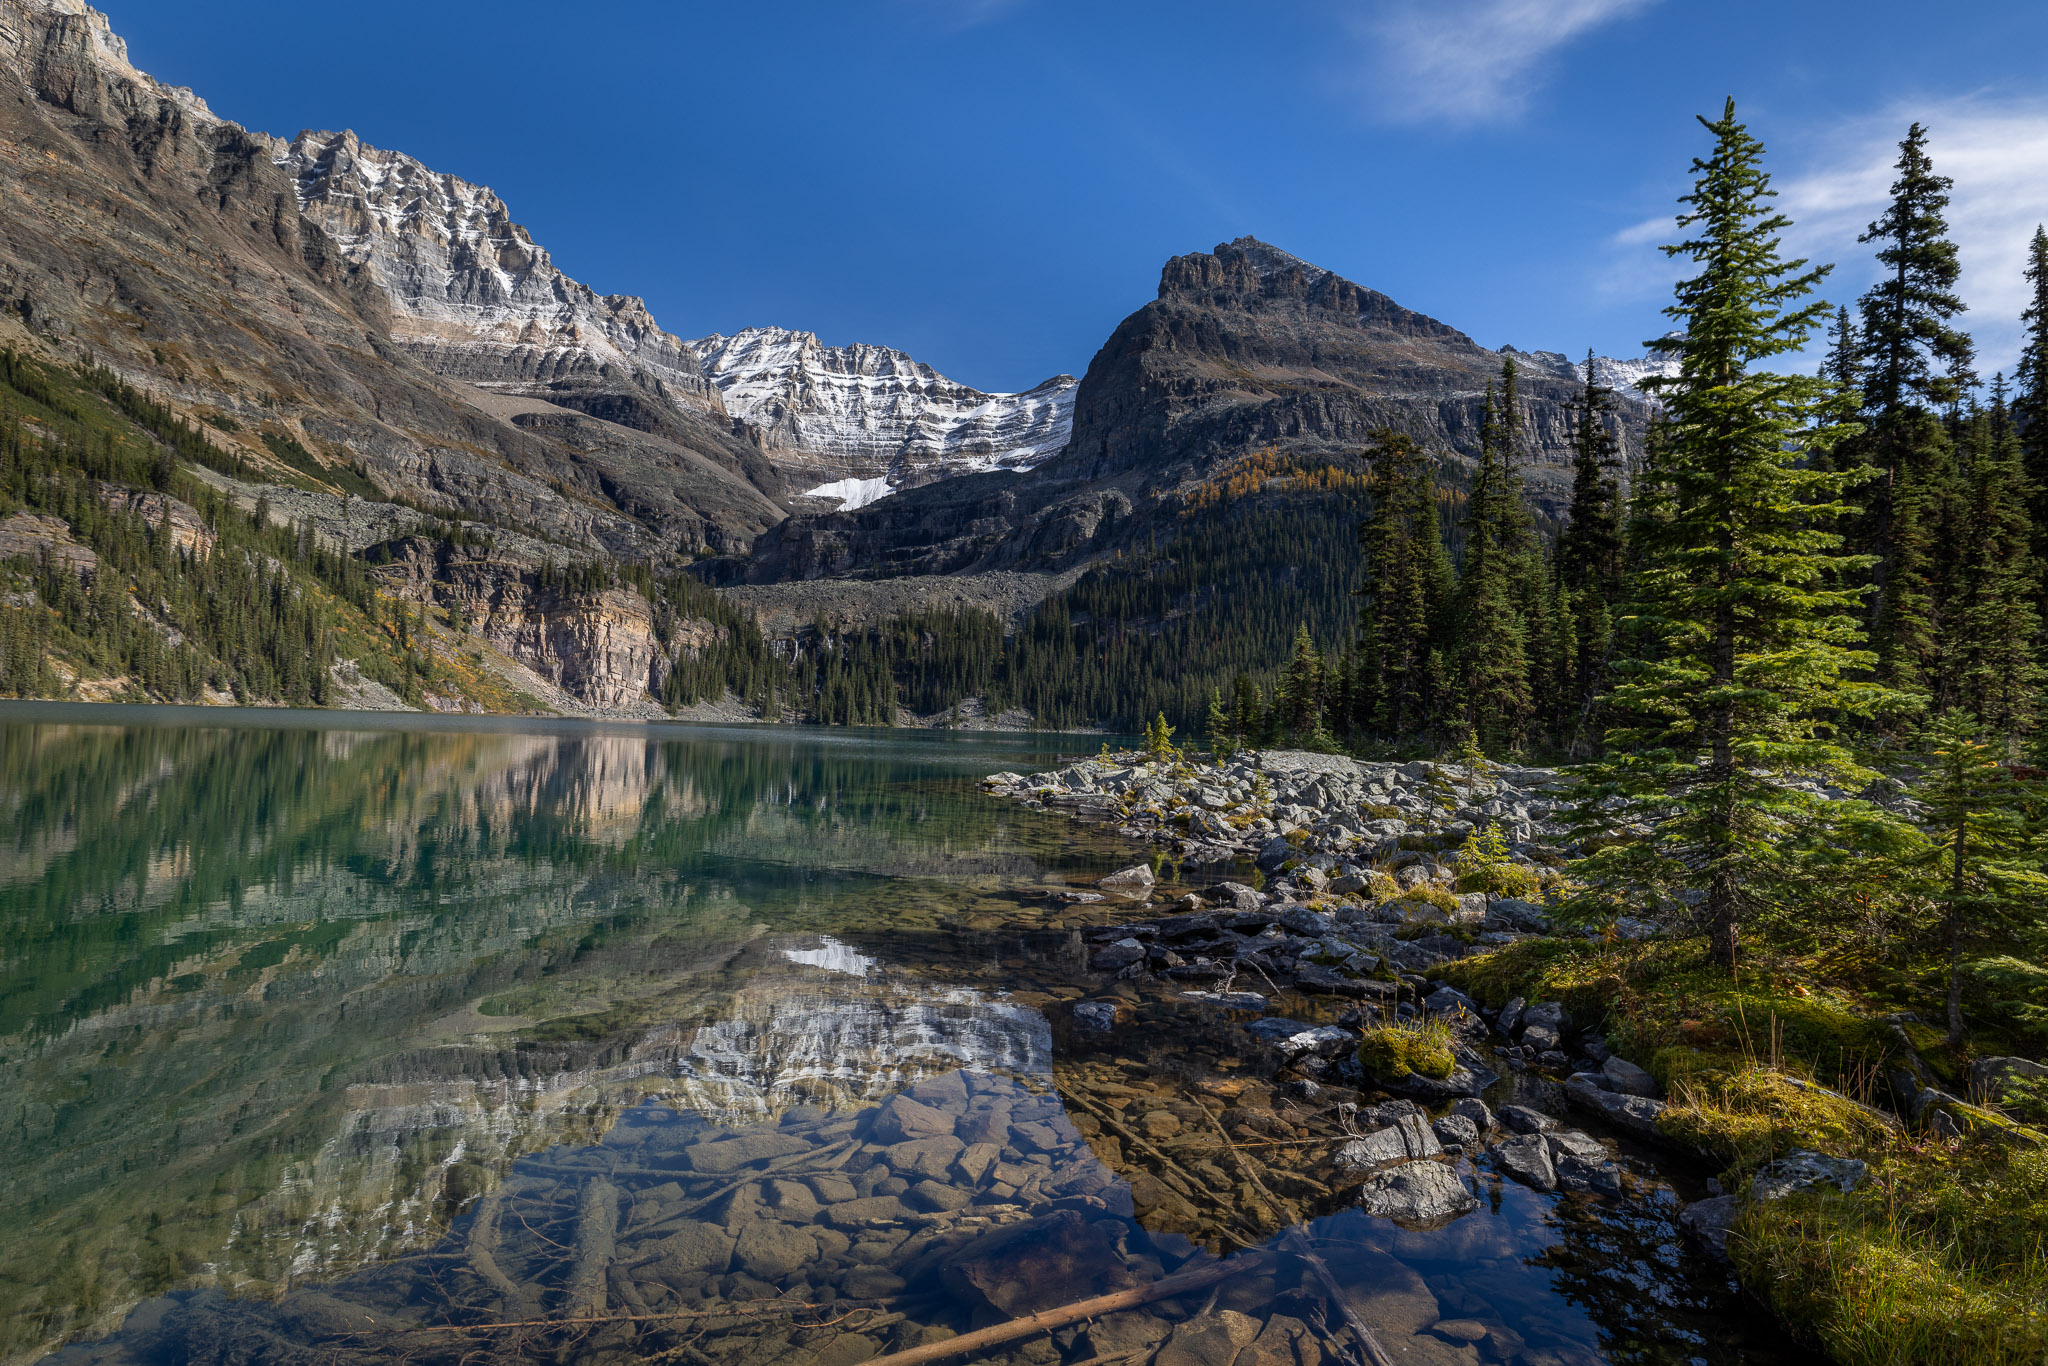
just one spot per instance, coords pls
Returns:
(1833, 182)
(1471, 61)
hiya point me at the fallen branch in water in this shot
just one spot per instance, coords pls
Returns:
(1046, 1320)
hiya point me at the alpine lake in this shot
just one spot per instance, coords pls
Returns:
(333, 1038)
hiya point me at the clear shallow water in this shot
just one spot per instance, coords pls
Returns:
(338, 1039)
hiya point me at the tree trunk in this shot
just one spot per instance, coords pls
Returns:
(1724, 897)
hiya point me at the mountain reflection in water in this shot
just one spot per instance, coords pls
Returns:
(470, 1044)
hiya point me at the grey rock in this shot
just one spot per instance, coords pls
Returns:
(1579, 1172)
(1595, 1047)
(1450, 1001)
(1420, 1193)
(1303, 920)
(1572, 1143)
(1474, 1109)
(1510, 1017)
(1276, 852)
(1294, 1038)
(1458, 1129)
(1526, 1157)
(1636, 1114)
(1099, 1015)
(1990, 1076)
(1596, 1080)
(1406, 1139)
(1549, 1015)
(1628, 1079)
(1135, 878)
(1117, 956)
(1540, 1037)
(902, 1120)
(1516, 914)
(1806, 1170)
(1707, 1223)
(1523, 1120)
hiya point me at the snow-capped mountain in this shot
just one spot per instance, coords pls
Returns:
(1623, 375)
(472, 294)
(867, 420)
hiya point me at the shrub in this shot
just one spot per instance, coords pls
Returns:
(1429, 894)
(1502, 879)
(1401, 1048)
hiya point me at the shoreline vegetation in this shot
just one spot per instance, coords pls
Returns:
(1881, 1189)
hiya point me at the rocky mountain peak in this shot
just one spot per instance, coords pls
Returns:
(39, 34)
(1248, 274)
(476, 298)
(865, 420)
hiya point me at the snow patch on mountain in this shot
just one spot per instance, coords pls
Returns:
(861, 414)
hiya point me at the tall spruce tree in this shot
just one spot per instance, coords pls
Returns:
(1753, 643)
(2030, 393)
(1994, 670)
(1588, 563)
(1402, 601)
(1493, 667)
(1914, 367)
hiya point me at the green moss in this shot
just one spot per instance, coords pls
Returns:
(1502, 879)
(1401, 1049)
(1745, 1116)
(1429, 894)
(1937, 1258)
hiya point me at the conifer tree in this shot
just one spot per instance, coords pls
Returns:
(1984, 856)
(1589, 560)
(2030, 394)
(1915, 366)
(1752, 641)
(1220, 738)
(1492, 626)
(1407, 582)
(1298, 699)
(1994, 672)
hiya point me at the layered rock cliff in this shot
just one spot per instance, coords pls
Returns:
(858, 422)
(1246, 348)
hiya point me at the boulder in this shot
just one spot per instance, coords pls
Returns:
(1305, 921)
(774, 1251)
(902, 1120)
(1707, 1223)
(1990, 1076)
(728, 1155)
(1578, 1171)
(1276, 852)
(1405, 1140)
(1806, 1170)
(1526, 1157)
(1549, 1015)
(1456, 1128)
(1213, 1339)
(1523, 1120)
(1097, 1015)
(1294, 1038)
(1510, 1017)
(1136, 878)
(1118, 956)
(1474, 1109)
(1421, 1193)
(1628, 1079)
(1636, 1114)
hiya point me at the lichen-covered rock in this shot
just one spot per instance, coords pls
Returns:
(1806, 1170)
(1420, 1193)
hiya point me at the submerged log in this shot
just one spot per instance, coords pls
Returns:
(1046, 1320)
(597, 1229)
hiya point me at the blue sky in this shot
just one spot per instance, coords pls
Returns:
(992, 184)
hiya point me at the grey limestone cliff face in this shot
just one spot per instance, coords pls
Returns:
(1245, 348)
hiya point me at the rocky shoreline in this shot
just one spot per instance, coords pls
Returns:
(1363, 892)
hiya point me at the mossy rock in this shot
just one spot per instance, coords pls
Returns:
(1396, 1051)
